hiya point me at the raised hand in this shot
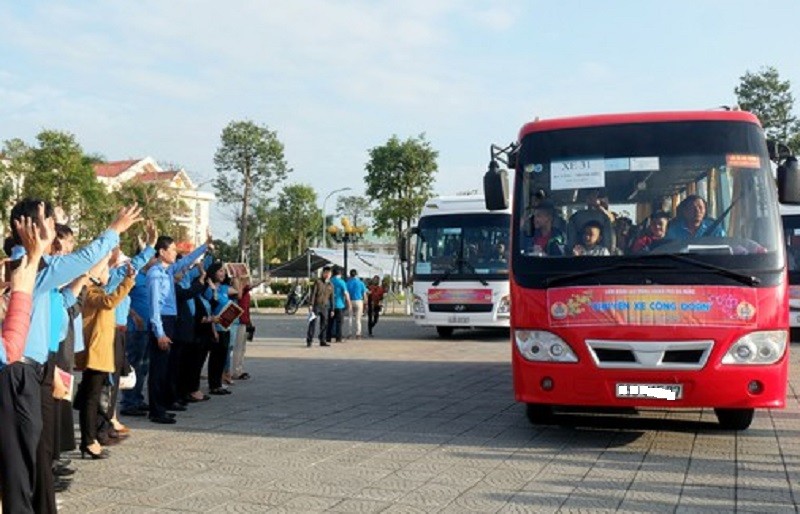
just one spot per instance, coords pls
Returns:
(24, 276)
(126, 218)
(152, 232)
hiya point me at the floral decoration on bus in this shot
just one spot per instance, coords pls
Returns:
(636, 305)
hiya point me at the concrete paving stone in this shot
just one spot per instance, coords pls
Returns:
(380, 495)
(716, 497)
(367, 506)
(782, 496)
(410, 509)
(121, 507)
(205, 500)
(309, 503)
(236, 507)
(395, 482)
(532, 502)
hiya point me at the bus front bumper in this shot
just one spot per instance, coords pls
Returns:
(583, 384)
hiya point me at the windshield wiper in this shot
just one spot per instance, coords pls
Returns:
(560, 279)
(472, 268)
(455, 267)
(742, 278)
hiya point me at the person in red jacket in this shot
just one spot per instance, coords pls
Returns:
(656, 230)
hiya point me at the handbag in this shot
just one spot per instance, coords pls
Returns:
(128, 381)
(251, 331)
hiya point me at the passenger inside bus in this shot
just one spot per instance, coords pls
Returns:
(691, 221)
(596, 210)
(654, 233)
(547, 239)
(591, 241)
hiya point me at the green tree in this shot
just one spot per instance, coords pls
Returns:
(297, 217)
(249, 163)
(58, 171)
(15, 166)
(767, 96)
(399, 180)
(159, 203)
(356, 208)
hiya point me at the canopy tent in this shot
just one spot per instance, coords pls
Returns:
(367, 264)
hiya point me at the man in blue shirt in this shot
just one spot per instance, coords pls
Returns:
(357, 291)
(691, 221)
(21, 416)
(341, 301)
(163, 317)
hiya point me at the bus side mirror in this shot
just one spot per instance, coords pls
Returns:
(495, 187)
(789, 181)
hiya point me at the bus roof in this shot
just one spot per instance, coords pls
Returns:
(639, 117)
(463, 204)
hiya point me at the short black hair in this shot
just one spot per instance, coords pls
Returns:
(353, 273)
(163, 242)
(592, 224)
(213, 269)
(337, 270)
(63, 231)
(660, 214)
(29, 208)
(326, 268)
(547, 206)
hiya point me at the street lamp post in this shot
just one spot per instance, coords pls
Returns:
(322, 234)
(346, 234)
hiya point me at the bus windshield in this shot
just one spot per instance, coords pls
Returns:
(461, 246)
(603, 195)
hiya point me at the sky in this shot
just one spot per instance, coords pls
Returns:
(336, 78)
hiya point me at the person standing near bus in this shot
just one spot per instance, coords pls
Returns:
(357, 291)
(374, 300)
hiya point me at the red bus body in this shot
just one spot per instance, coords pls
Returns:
(589, 383)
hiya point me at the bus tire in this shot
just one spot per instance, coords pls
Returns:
(539, 413)
(444, 332)
(734, 419)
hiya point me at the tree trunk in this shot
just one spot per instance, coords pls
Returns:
(243, 222)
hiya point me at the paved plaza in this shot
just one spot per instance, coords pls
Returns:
(410, 423)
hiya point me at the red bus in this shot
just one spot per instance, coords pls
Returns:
(648, 264)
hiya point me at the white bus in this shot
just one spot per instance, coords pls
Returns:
(460, 272)
(791, 231)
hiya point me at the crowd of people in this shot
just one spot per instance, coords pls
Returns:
(596, 231)
(153, 319)
(331, 297)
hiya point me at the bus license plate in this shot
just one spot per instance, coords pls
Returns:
(657, 391)
(458, 319)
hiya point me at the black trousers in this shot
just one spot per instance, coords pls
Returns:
(335, 326)
(89, 393)
(176, 360)
(158, 377)
(21, 422)
(44, 494)
(216, 359)
(322, 319)
(373, 313)
(193, 358)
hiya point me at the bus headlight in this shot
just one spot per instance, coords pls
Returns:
(757, 348)
(504, 307)
(542, 346)
(418, 306)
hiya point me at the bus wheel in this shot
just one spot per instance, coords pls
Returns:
(444, 332)
(539, 413)
(734, 419)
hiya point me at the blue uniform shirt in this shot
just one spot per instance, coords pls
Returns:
(339, 289)
(678, 230)
(59, 270)
(356, 289)
(117, 275)
(140, 301)
(161, 288)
